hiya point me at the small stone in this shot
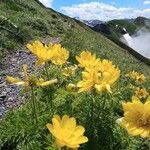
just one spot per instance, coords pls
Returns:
(2, 110)
(3, 96)
(8, 89)
(10, 99)
(2, 84)
(13, 59)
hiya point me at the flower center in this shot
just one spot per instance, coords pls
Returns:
(144, 121)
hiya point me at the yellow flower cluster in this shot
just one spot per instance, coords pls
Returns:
(100, 75)
(139, 78)
(141, 92)
(44, 53)
(67, 132)
(30, 81)
(136, 118)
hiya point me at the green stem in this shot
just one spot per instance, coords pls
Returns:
(59, 148)
(34, 106)
(51, 101)
(46, 70)
(112, 101)
(146, 142)
(92, 104)
(104, 100)
(90, 122)
(102, 104)
(52, 107)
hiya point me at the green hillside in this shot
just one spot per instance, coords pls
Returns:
(21, 21)
(24, 20)
(116, 27)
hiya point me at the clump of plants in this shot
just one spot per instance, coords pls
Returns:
(87, 93)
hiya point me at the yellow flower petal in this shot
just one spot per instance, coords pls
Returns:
(14, 80)
(136, 118)
(46, 83)
(66, 132)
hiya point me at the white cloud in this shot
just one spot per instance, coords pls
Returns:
(47, 3)
(147, 2)
(139, 41)
(102, 11)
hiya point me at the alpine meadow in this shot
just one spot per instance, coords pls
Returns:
(65, 85)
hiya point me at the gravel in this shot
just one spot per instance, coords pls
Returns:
(10, 96)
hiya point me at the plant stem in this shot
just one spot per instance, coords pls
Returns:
(46, 70)
(52, 107)
(91, 121)
(34, 106)
(146, 142)
(92, 103)
(47, 74)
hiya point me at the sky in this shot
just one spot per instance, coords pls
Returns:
(101, 9)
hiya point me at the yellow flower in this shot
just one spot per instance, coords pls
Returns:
(67, 132)
(87, 60)
(101, 78)
(136, 118)
(71, 87)
(104, 65)
(69, 71)
(59, 54)
(42, 52)
(141, 92)
(139, 78)
(90, 79)
(110, 75)
(132, 74)
(30, 81)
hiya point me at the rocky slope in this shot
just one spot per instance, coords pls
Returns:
(12, 65)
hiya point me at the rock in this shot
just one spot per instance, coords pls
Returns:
(2, 84)
(8, 89)
(13, 59)
(2, 110)
(3, 96)
(10, 99)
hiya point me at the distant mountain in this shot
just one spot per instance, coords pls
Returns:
(103, 27)
(92, 23)
(121, 31)
(116, 28)
(130, 20)
(142, 22)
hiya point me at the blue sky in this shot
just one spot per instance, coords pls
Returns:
(57, 4)
(101, 9)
